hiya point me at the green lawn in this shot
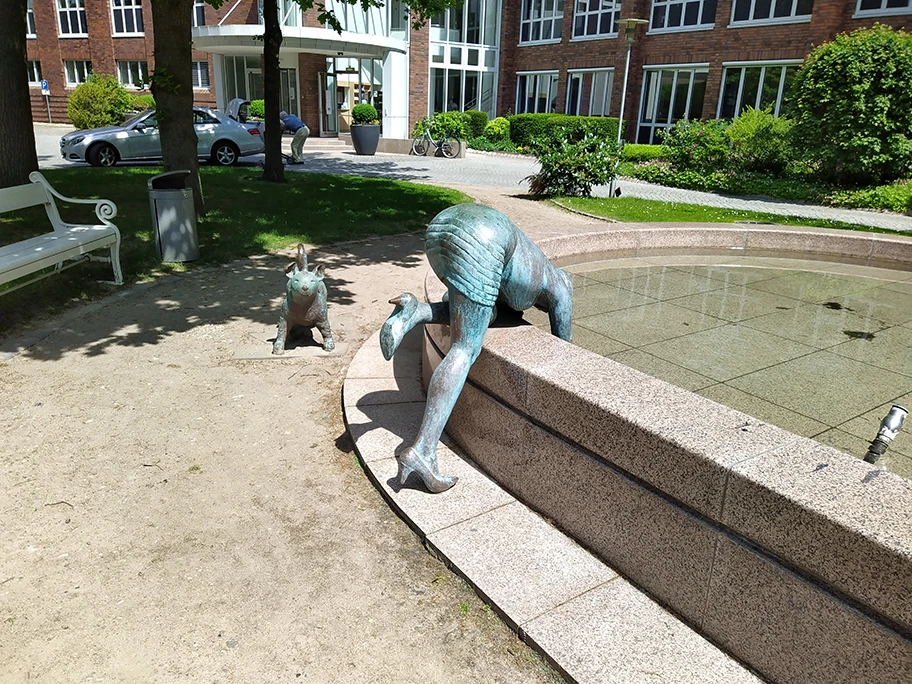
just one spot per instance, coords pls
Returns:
(636, 210)
(245, 216)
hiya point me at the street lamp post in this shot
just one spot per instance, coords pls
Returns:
(630, 27)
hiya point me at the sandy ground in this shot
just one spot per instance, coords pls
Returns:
(178, 505)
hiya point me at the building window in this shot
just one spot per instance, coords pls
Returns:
(536, 93)
(127, 17)
(30, 21)
(669, 95)
(201, 75)
(757, 86)
(33, 67)
(133, 74)
(72, 17)
(199, 13)
(771, 11)
(541, 20)
(77, 71)
(595, 18)
(589, 92)
(684, 15)
(879, 8)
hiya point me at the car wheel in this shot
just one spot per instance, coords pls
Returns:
(225, 153)
(102, 154)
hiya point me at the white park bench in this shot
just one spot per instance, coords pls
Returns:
(68, 245)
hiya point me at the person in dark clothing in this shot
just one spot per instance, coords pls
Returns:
(300, 130)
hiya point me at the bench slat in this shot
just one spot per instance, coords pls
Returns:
(22, 196)
(31, 255)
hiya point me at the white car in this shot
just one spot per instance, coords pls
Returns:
(220, 139)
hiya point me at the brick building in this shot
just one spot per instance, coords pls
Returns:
(694, 58)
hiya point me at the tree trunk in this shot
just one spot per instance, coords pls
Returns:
(172, 86)
(18, 157)
(273, 169)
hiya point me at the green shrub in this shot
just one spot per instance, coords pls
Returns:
(483, 142)
(442, 124)
(475, 122)
(526, 127)
(498, 130)
(697, 145)
(364, 113)
(100, 101)
(257, 109)
(760, 141)
(140, 103)
(632, 152)
(852, 106)
(893, 197)
(571, 168)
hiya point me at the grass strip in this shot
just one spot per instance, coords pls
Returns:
(245, 216)
(637, 210)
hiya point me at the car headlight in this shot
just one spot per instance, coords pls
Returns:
(73, 141)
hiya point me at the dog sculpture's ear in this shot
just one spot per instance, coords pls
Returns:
(291, 269)
(319, 271)
(302, 258)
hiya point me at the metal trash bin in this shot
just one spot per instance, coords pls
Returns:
(173, 216)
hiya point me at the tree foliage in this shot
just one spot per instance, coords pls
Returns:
(852, 106)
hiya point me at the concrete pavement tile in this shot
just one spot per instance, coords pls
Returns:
(727, 352)
(842, 387)
(762, 409)
(615, 634)
(660, 368)
(521, 563)
(367, 391)
(383, 430)
(473, 495)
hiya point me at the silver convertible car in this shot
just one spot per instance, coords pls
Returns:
(221, 140)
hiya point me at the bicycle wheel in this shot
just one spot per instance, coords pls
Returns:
(420, 146)
(450, 147)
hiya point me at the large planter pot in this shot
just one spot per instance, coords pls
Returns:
(365, 138)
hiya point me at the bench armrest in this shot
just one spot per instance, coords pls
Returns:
(105, 209)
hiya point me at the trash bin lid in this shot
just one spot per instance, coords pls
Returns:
(170, 180)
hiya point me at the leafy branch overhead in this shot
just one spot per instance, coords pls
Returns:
(419, 10)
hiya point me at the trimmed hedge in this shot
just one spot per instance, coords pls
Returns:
(525, 127)
(640, 153)
(257, 108)
(498, 130)
(141, 103)
(475, 122)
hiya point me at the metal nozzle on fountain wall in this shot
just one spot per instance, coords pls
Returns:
(889, 428)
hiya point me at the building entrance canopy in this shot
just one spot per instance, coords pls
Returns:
(239, 39)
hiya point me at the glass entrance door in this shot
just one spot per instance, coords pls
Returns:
(329, 118)
(289, 97)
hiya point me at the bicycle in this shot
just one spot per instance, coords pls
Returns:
(448, 145)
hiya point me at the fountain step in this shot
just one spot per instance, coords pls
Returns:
(589, 622)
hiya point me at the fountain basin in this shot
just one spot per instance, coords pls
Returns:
(792, 556)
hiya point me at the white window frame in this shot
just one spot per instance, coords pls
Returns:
(72, 9)
(764, 67)
(593, 72)
(126, 8)
(30, 30)
(199, 10)
(86, 71)
(198, 71)
(694, 69)
(581, 10)
(883, 11)
(124, 66)
(33, 68)
(552, 15)
(667, 4)
(770, 21)
(538, 75)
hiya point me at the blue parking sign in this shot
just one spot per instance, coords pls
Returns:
(44, 88)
